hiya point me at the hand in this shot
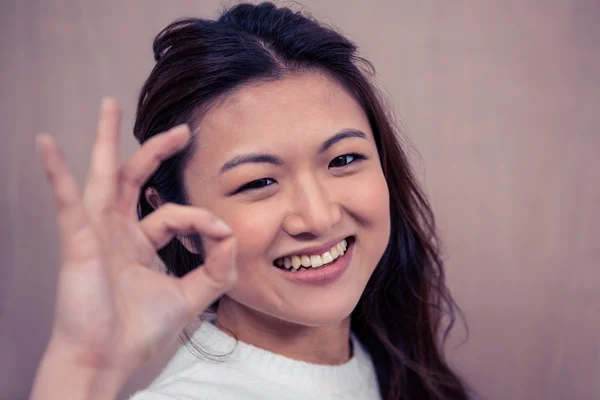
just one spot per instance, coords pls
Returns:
(112, 311)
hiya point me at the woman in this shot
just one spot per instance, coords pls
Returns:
(288, 209)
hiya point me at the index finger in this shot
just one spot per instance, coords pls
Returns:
(138, 169)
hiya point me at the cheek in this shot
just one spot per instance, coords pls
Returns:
(255, 229)
(372, 211)
(367, 198)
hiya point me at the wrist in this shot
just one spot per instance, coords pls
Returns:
(61, 375)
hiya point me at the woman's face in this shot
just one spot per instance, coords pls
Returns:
(292, 167)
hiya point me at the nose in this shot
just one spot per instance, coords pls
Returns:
(313, 209)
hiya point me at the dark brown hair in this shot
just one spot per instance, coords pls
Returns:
(198, 63)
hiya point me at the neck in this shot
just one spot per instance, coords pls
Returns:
(327, 345)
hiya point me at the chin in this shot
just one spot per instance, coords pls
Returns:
(320, 312)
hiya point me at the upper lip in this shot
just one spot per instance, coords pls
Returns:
(314, 250)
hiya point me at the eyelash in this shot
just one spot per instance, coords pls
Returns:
(256, 184)
(357, 157)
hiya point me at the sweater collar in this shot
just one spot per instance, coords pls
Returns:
(220, 347)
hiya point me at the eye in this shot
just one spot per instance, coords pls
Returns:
(257, 184)
(346, 159)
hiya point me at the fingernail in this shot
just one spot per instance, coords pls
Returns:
(222, 226)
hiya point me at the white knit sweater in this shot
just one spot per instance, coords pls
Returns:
(250, 373)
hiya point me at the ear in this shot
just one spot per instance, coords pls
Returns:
(186, 241)
(154, 199)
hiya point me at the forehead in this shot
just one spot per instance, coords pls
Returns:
(299, 109)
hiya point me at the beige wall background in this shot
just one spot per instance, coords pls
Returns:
(501, 99)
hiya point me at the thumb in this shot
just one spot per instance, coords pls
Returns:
(205, 284)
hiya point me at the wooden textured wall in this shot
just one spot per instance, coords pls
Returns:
(501, 100)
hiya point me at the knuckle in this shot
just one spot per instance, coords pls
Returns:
(65, 205)
(222, 272)
(129, 175)
(203, 215)
(219, 282)
(99, 209)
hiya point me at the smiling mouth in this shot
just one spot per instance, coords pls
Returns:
(314, 261)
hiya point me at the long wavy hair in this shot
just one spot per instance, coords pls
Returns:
(406, 311)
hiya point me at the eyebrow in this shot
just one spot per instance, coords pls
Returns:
(346, 133)
(275, 160)
(250, 158)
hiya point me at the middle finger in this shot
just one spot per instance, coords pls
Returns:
(100, 191)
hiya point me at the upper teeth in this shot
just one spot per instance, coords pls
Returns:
(294, 262)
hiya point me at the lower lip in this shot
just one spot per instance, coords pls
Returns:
(324, 275)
